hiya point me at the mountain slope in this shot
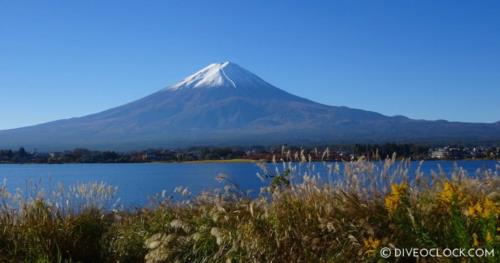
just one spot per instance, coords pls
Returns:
(226, 104)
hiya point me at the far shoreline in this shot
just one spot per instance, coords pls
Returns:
(238, 160)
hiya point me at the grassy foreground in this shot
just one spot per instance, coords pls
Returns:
(360, 210)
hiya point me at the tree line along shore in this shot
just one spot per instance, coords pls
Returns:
(255, 153)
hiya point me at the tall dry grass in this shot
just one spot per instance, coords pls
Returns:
(343, 215)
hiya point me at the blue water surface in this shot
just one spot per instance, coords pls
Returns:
(137, 182)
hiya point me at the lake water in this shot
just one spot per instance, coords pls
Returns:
(137, 182)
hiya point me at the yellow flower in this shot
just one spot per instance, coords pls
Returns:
(371, 245)
(474, 238)
(474, 210)
(471, 211)
(449, 192)
(488, 237)
(487, 208)
(392, 201)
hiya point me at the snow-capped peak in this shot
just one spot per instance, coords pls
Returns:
(225, 74)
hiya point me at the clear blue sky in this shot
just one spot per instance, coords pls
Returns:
(422, 59)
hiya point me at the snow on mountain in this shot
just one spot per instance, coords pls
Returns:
(209, 77)
(217, 75)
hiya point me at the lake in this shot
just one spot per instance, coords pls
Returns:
(137, 182)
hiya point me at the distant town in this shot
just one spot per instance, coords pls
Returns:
(256, 153)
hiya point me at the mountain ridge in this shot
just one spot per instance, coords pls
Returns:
(225, 104)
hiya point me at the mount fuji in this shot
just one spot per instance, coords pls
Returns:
(225, 104)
